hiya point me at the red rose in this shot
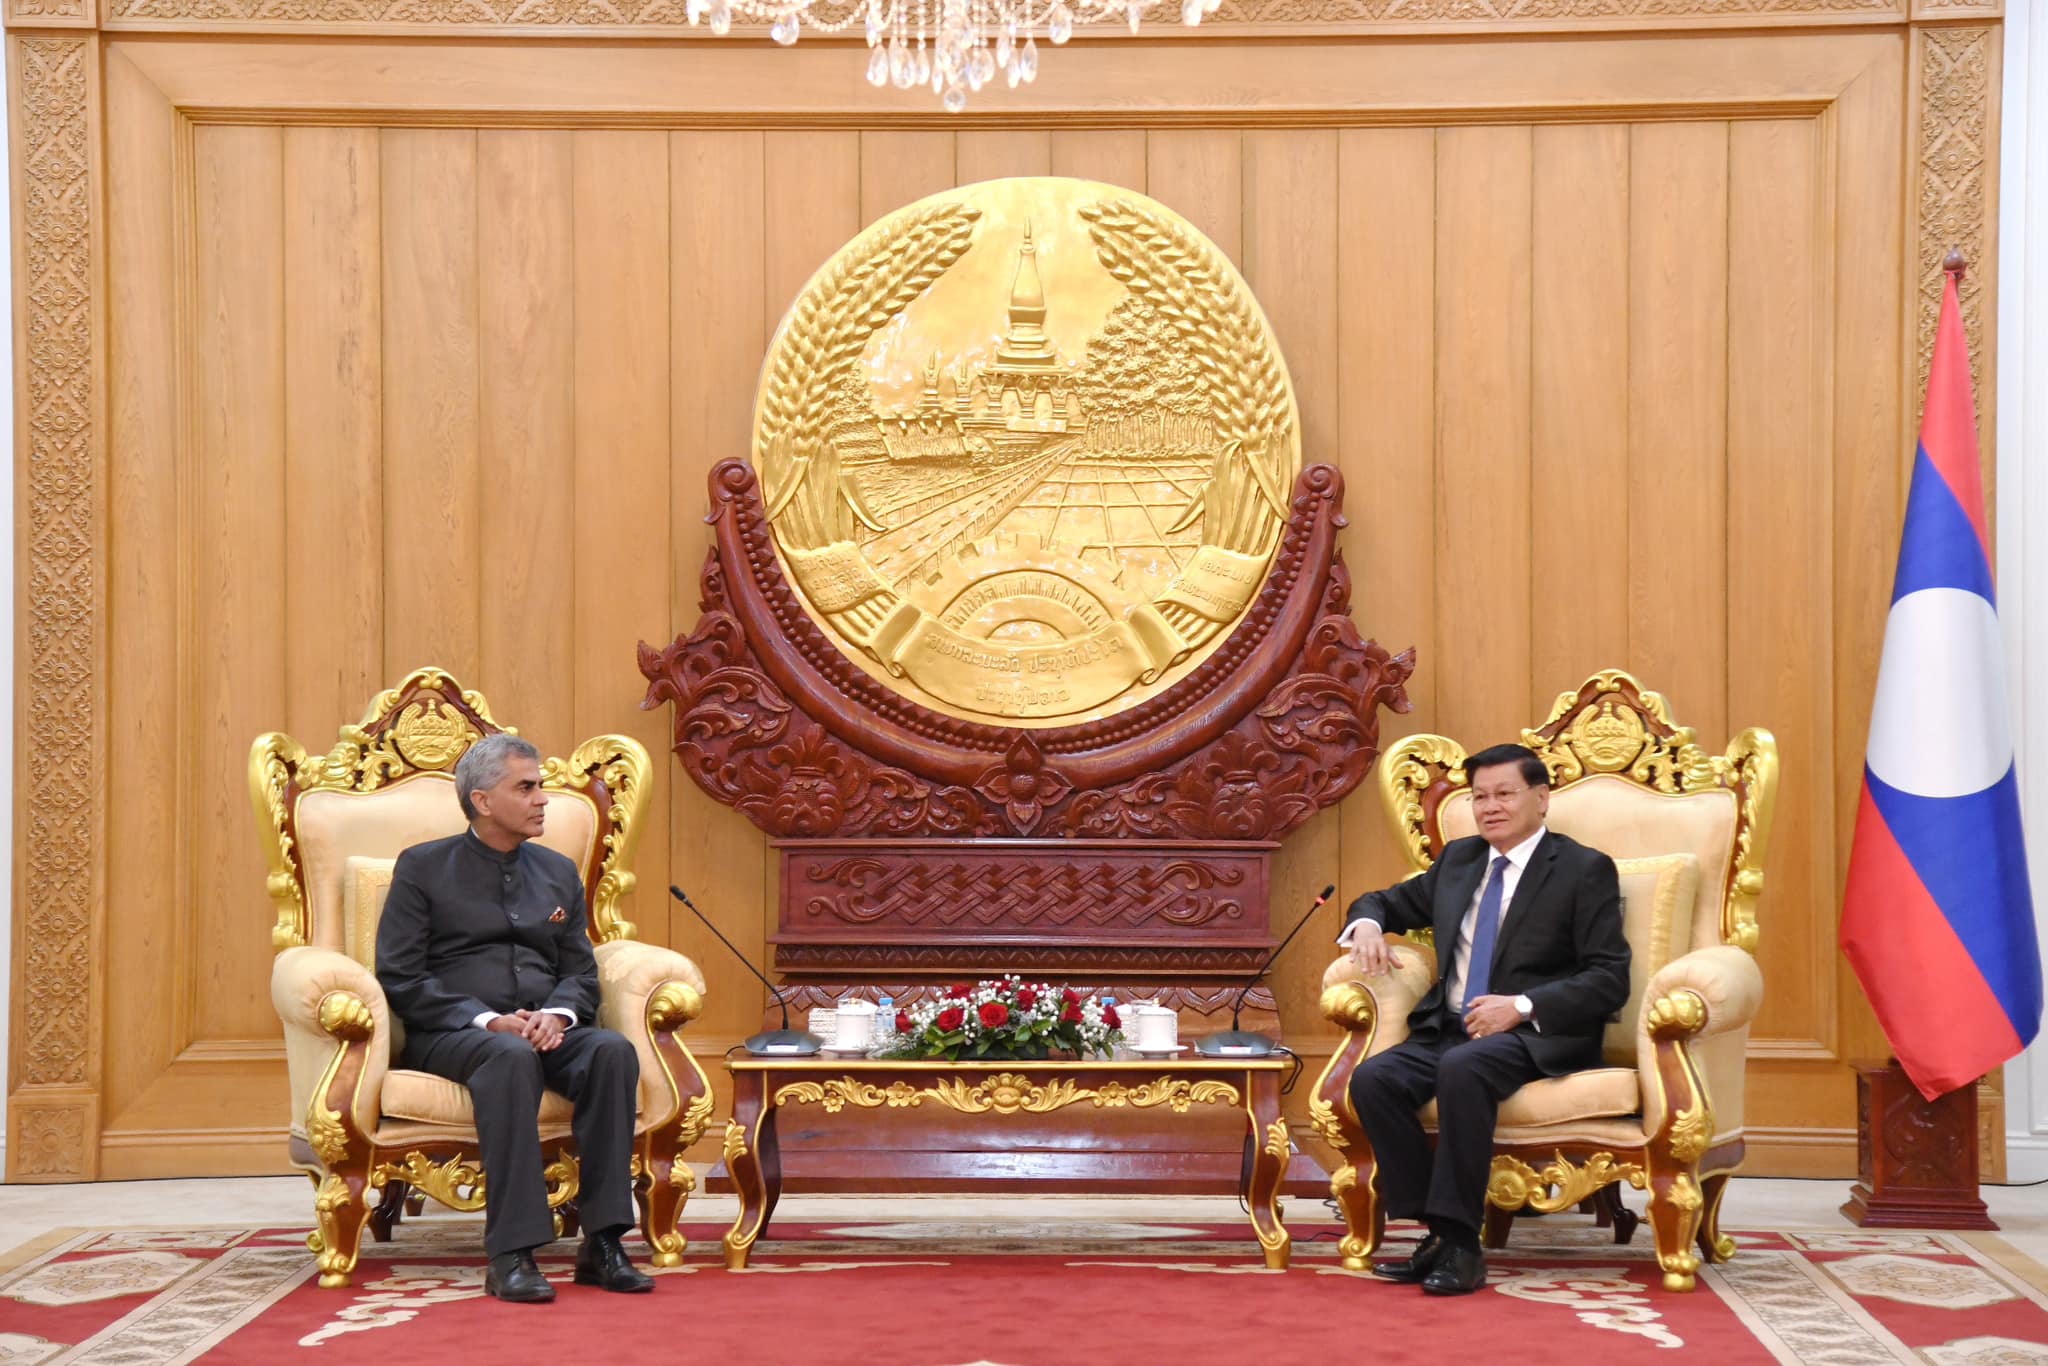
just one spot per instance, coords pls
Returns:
(951, 1019)
(903, 1022)
(1070, 996)
(1109, 1017)
(1026, 998)
(1071, 1015)
(994, 1015)
(958, 993)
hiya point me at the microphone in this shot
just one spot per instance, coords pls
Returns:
(783, 1042)
(1243, 1043)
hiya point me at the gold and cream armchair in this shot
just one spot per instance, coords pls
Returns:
(375, 1138)
(1687, 831)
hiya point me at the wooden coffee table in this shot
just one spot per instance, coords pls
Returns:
(762, 1086)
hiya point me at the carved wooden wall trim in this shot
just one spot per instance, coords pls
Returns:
(59, 766)
(1955, 187)
(1236, 19)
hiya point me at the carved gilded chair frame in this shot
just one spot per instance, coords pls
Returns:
(421, 727)
(1609, 725)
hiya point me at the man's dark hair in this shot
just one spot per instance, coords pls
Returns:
(1521, 756)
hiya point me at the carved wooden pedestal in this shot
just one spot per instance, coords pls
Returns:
(1916, 1159)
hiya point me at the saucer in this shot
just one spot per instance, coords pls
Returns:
(829, 1051)
(1155, 1053)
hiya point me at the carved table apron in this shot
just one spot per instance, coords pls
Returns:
(997, 1092)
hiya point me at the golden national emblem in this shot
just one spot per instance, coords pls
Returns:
(1027, 448)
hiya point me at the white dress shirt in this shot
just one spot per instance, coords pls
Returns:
(1461, 953)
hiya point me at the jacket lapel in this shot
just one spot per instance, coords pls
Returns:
(1459, 886)
(1526, 892)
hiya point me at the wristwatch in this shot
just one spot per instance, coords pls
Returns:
(1524, 1007)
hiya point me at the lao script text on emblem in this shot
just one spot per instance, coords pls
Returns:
(1026, 448)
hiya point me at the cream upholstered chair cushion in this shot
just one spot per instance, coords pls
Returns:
(365, 882)
(1658, 898)
(436, 1100)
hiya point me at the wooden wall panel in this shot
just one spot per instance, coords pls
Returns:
(1386, 434)
(526, 433)
(1613, 378)
(1483, 366)
(432, 528)
(621, 197)
(1579, 413)
(234, 542)
(718, 334)
(1677, 406)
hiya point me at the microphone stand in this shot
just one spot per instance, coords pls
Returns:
(1245, 1043)
(783, 1042)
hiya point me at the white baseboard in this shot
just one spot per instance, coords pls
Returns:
(2026, 1158)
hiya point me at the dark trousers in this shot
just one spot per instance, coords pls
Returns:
(1469, 1079)
(596, 1069)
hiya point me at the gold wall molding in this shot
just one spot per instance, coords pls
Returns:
(57, 883)
(1955, 184)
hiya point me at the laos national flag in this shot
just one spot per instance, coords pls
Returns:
(1937, 920)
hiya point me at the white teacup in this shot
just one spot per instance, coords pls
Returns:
(853, 1025)
(1154, 1029)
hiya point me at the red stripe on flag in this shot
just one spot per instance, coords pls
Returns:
(1948, 426)
(1944, 1023)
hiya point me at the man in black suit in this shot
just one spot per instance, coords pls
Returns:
(1532, 964)
(484, 955)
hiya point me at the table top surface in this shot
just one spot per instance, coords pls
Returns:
(1272, 1062)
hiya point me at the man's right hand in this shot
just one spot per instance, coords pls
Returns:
(1370, 952)
(508, 1024)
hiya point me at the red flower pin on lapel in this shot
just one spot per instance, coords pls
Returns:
(558, 917)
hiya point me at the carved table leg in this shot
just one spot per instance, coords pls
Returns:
(757, 1182)
(1271, 1149)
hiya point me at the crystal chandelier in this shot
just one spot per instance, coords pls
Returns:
(953, 46)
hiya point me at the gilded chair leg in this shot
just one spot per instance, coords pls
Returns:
(341, 1213)
(1714, 1245)
(667, 1188)
(1675, 1204)
(1355, 1187)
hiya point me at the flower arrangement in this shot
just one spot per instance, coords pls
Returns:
(1006, 1018)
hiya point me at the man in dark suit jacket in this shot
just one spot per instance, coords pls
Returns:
(1532, 964)
(485, 956)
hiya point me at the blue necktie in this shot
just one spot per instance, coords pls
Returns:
(1479, 968)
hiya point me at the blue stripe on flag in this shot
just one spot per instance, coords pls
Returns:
(1970, 853)
(1939, 546)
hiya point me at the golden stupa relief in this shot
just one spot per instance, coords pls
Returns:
(1027, 449)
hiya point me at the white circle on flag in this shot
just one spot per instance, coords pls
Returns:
(1939, 726)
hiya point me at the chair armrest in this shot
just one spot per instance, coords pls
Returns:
(312, 989)
(1392, 996)
(648, 993)
(1729, 988)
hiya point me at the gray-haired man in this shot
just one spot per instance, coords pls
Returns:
(485, 957)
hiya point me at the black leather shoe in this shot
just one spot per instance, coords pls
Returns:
(514, 1278)
(602, 1261)
(1417, 1264)
(1459, 1271)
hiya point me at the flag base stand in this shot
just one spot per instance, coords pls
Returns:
(1916, 1159)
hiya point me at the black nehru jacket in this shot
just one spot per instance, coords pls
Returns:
(467, 929)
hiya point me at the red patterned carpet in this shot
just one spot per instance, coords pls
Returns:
(944, 1292)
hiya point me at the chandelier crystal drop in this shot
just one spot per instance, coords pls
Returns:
(955, 47)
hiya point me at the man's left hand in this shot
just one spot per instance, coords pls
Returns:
(1486, 1015)
(544, 1029)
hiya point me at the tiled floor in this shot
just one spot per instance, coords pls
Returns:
(28, 1211)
